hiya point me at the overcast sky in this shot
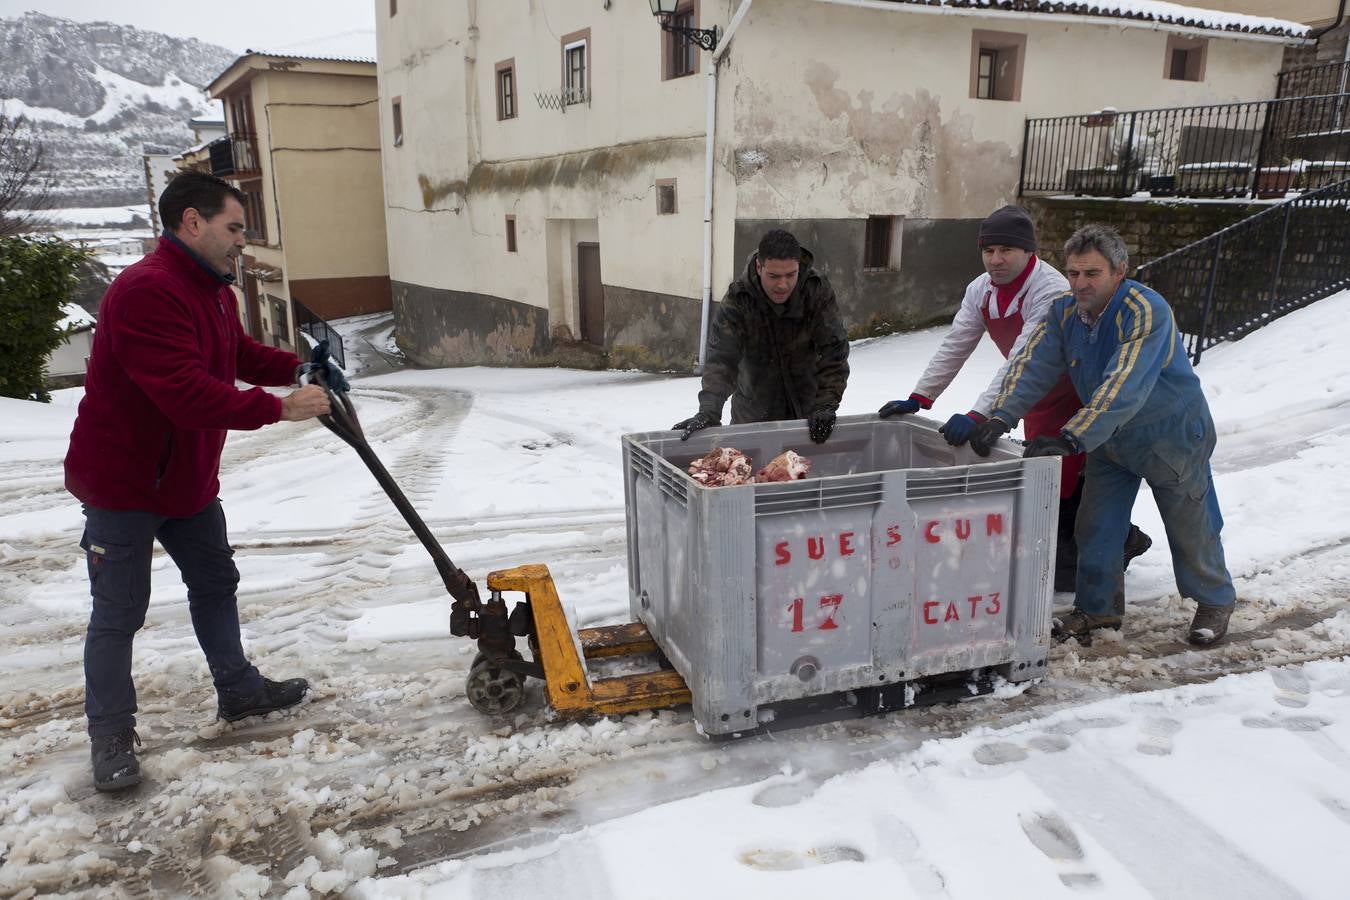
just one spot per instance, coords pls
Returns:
(235, 24)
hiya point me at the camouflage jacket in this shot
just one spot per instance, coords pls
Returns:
(775, 361)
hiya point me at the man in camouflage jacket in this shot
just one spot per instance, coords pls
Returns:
(777, 346)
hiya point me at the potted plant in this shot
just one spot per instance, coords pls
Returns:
(1276, 181)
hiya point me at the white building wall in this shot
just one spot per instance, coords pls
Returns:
(825, 112)
(595, 162)
(889, 127)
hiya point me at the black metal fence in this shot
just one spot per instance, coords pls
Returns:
(1310, 81)
(1263, 148)
(1238, 279)
(307, 321)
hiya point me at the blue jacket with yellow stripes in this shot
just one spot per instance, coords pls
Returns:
(1130, 366)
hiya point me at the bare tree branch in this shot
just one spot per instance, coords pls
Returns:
(25, 180)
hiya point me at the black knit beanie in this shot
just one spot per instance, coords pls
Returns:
(1010, 226)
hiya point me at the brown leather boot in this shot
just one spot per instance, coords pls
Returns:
(1077, 624)
(1210, 624)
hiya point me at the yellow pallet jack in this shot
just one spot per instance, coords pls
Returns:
(496, 681)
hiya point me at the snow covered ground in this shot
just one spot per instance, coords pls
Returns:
(1139, 767)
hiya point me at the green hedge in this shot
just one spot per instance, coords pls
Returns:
(37, 275)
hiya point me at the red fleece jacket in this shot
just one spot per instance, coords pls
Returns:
(159, 394)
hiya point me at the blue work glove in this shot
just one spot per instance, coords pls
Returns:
(1050, 446)
(960, 427)
(904, 407)
(697, 422)
(322, 370)
(986, 434)
(821, 424)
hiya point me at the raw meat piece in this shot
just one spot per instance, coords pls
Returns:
(786, 466)
(722, 467)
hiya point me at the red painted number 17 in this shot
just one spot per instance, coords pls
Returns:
(829, 603)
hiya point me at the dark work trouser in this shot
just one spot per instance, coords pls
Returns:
(1178, 473)
(119, 545)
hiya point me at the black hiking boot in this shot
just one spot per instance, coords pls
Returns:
(114, 759)
(1136, 544)
(272, 696)
(1209, 625)
(1078, 624)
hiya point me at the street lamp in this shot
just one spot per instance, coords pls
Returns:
(664, 10)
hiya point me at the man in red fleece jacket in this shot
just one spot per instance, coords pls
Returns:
(144, 460)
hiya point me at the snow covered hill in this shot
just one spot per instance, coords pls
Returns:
(95, 92)
(1139, 767)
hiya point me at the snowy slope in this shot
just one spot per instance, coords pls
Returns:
(96, 92)
(1140, 767)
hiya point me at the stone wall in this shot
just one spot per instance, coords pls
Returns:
(1330, 48)
(1151, 228)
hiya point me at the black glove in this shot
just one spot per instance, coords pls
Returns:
(960, 427)
(821, 425)
(900, 407)
(696, 422)
(986, 433)
(1049, 446)
(322, 370)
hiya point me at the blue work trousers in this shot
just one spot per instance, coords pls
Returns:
(1172, 455)
(119, 545)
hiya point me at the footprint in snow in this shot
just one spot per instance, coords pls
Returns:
(770, 860)
(1288, 723)
(999, 753)
(1291, 687)
(1073, 726)
(1049, 743)
(904, 845)
(786, 793)
(1157, 739)
(1051, 835)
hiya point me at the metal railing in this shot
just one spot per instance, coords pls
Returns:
(1263, 148)
(1250, 273)
(307, 321)
(1309, 81)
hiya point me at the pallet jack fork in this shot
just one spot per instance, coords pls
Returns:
(496, 681)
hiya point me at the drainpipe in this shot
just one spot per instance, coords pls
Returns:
(710, 143)
(473, 131)
(1340, 14)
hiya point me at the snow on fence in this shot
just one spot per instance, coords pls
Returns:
(1262, 148)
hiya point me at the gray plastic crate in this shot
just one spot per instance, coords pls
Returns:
(899, 558)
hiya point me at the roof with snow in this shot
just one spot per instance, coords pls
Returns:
(284, 54)
(1173, 14)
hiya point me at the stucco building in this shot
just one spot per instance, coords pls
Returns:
(303, 146)
(545, 162)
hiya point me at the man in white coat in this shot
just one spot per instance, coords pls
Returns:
(1007, 302)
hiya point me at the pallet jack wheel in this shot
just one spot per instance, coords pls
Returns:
(493, 690)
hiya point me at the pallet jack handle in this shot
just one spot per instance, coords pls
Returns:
(343, 422)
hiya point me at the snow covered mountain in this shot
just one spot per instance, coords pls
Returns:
(95, 92)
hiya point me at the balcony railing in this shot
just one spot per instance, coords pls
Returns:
(1311, 81)
(1262, 148)
(235, 156)
(1238, 279)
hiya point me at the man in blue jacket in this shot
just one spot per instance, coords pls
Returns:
(1144, 417)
